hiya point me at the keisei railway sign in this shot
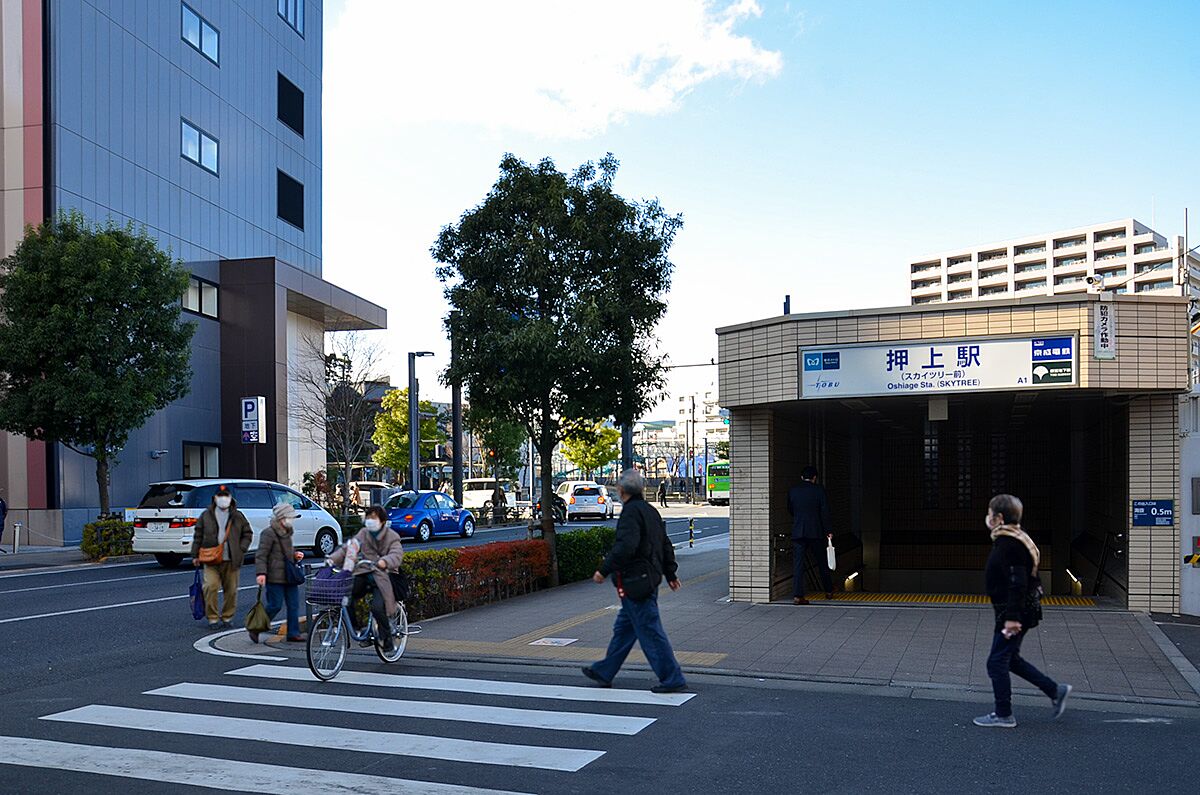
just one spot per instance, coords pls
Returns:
(965, 365)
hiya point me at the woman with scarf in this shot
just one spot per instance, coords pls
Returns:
(1012, 570)
(377, 542)
(275, 550)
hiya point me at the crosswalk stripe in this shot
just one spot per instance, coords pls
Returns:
(202, 771)
(436, 710)
(480, 686)
(450, 749)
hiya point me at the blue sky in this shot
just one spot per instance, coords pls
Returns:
(814, 148)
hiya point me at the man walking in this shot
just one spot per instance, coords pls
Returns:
(662, 493)
(221, 540)
(811, 525)
(641, 555)
(1011, 572)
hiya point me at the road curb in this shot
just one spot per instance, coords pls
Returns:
(1172, 652)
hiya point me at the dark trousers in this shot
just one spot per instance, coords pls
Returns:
(816, 548)
(278, 595)
(640, 621)
(1005, 659)
(662, 499)
(378, 606)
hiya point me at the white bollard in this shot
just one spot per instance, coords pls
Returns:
(16, 537)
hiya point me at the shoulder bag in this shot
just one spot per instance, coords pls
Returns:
(211, 556)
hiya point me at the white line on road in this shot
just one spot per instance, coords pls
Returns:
(103, 607)
(202, 771)
(74, 567)
(1140, 720)
(92, 582)
(206, 645)
(433, 710)
(319, 736)
(481, 686)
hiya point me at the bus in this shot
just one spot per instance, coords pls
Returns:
(718, 483)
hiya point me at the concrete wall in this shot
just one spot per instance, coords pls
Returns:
(306, 449)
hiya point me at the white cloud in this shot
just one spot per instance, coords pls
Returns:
(554, 68)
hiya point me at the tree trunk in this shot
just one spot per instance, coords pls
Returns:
(546, 451)
(346, 491)
(102, 482)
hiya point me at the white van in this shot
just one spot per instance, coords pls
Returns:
(477, 493)
(164, 519)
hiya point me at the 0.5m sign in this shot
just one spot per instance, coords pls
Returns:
(965, 365)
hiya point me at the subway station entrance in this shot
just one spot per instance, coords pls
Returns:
(916, 416)
(908, 493)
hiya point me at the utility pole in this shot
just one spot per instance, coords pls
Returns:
(692, 456)
(414, 423)
(706, 494)
(456, 422)
(627, 446)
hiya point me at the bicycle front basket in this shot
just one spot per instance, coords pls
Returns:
(328, 587)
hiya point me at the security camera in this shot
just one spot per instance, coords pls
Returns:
(157, 454)
(1095, 281)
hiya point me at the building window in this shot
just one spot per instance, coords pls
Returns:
(200, 298)
(198, 146)
(289, 200)
(289, 103)
(201, 35)
(201, 460)
(292, 12)
(1146, 287)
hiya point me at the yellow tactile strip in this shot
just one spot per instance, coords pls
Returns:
(946, 599)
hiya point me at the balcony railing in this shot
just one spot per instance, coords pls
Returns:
(1069, 243)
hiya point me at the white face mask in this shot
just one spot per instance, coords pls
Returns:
(288, 522)
(224, 502)
(373, 525)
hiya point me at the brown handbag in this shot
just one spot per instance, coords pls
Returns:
(211, 556)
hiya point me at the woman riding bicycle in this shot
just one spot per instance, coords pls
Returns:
(376, 541)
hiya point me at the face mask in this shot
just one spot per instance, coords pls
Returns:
(374, 526)
(224, 502)
(289, 523)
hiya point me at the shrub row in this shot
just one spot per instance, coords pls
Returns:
(105, 538)
(580, 552)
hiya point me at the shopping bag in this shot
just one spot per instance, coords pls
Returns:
(831, 555)
(256, 619)
(196, 596)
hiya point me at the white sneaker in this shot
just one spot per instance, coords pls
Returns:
(994, 721)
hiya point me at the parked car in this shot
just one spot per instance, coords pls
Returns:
(425, 514)
(585, 498)
(477, 493)
(365, 487)
(164, 519)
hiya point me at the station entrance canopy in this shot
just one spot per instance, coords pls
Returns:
(916, 416)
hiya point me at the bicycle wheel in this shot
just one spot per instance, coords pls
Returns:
(328, 642)
(399, 624)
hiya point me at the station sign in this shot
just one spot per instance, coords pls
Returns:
(254, 420)
(942, 366)
(1153, 513)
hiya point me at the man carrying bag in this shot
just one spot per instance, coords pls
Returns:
(641, 555)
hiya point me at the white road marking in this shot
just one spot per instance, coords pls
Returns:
(481, 686)
(103, 607)
(433, 710)
(92, 582)
(205, 644)
(1140, 720)
(67, 569)
(202, 771)
(318, 736)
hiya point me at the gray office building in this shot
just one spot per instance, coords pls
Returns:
(200, 121)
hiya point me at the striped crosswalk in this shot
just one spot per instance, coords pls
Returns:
(556, 728)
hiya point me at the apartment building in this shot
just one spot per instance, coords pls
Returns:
(201, 122)
(1123, 256)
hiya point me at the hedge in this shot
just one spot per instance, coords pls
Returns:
(105, 538)
(580, 552)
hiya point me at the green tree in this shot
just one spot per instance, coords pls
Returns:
(591, 445)
(91, 341)
(556, 285)
(499, 437)
(723, 450)
(391, 431)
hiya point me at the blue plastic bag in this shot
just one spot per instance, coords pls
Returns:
(196, 596)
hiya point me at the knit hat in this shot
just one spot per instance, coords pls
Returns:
(284, 510)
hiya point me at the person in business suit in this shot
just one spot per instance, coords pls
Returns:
(811, 526)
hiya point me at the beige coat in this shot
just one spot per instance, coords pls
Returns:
(275, 550)
(388, 548)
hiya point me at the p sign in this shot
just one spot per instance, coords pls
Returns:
(254, 420)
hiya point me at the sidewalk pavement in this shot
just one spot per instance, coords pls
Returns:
(1109, 655)
(39, 557)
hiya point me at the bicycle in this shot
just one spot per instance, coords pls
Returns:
(331, 631)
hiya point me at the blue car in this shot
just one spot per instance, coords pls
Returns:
(425, 514)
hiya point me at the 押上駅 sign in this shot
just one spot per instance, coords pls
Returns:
(965, 365)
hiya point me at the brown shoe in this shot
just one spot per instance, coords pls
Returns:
(298, 639)
(799, 600)
(253, 636)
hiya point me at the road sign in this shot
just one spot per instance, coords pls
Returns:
(254, 420)
(1153, 513)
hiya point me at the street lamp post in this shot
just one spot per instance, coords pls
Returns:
(414, 423)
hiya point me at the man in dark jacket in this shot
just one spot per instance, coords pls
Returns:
(641, 541)
(221, 525)
(811, 526)
(1011, 570)
(662, 493)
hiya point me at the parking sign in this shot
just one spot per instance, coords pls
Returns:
(254, 420)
